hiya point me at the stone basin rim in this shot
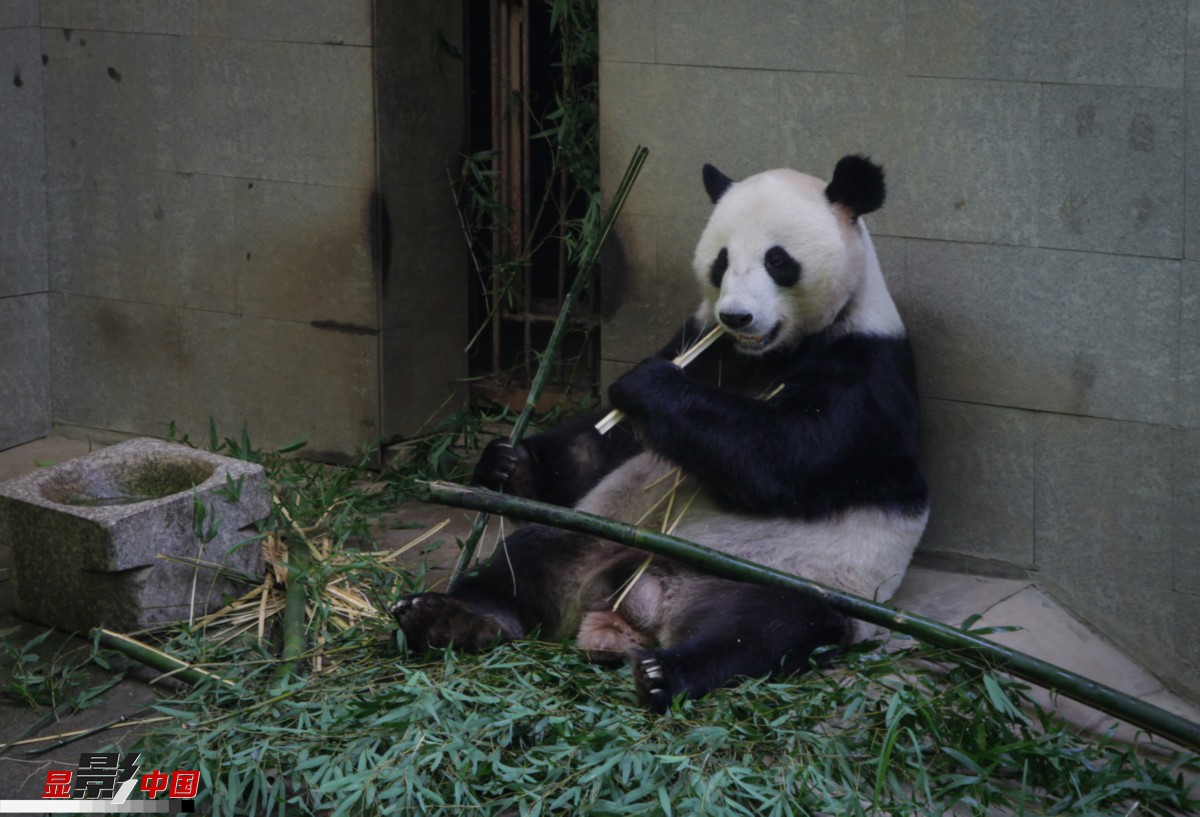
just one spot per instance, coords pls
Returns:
(144, 476)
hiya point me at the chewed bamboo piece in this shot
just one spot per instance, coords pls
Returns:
(691, 353)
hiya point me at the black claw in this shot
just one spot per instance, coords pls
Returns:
(496, 465)
(653, 685)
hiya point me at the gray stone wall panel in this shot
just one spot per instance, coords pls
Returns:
(1104, 501)
(649, 290)
(846, 36)
(22, 167)
(24, 368)
(686, 117)
(1067, 41)
(421, 282)
(964, 144)
(19, 13)
(156, 237)
(1189, 347)
(108, 103)
(421, 386)
(283, 379)
(117, 364)
(1192, 156)
(304, 113)
(1109, 172)
(1185, 485)
(346, 22)
(980, 465)
(1048, 330)
(303, 253)
(627, 30)
(177, 17)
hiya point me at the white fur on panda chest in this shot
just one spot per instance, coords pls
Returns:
(863, 551)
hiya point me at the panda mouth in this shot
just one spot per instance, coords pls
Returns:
(756, 343)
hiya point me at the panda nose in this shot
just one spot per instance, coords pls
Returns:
(735, 320)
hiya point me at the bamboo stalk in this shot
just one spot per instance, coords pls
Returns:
(1054, 678)
(64, 738)
(556, 338)
(156, 659)
(295, 630)
(615, 416)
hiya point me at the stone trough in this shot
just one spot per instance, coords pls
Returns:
(89, 535)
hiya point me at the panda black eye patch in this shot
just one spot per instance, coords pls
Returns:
(783, 269)
(717, 271)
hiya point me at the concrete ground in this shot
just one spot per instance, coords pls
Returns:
(1048, 632)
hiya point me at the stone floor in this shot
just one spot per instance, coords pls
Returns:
(1048, 632)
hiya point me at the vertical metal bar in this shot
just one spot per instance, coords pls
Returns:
(497, 60)
(560, 287)
(526, 270)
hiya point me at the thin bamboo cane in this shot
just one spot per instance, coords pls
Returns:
(556, 338)
(1054, 678)
(615, 416)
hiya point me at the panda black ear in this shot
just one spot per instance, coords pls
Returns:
(857, 185)
(716, 183)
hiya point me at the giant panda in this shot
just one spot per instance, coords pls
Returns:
(792, 441)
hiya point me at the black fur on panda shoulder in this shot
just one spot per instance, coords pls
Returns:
(847, 407)
(843, 406)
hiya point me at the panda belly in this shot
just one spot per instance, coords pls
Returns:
(864, 551)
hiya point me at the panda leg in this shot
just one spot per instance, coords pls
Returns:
(729, 630)
(533, 581)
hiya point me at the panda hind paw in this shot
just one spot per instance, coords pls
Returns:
(652, 681)
(436, 620)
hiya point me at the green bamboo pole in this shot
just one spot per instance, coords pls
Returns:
(1061, 681)
(156, 659)
(556, 338)
(295, 626)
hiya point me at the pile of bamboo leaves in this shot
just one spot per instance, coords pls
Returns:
(347, 724)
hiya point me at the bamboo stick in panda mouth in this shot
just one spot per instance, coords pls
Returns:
(691, 353)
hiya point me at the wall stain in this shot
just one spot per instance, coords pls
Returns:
(1085, 120)
(1143, 211)
(1083, 378)
(114, 74)
(381, 238)
(17, 81)
(1071, 213)
(344, 328)
(1141, 133)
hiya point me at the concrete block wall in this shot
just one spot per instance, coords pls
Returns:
(210, 234)
(24, 280)
(1040, 237)
(423, 289)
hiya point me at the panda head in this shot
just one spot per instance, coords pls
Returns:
(783, 253)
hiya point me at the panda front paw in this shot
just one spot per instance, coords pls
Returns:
(497, 464)
(638, 390)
